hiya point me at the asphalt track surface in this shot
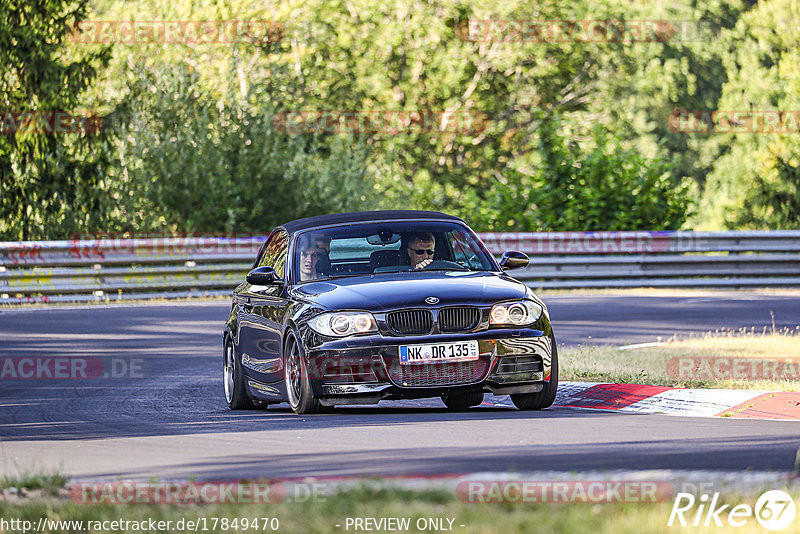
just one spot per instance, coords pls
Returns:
(169, 419)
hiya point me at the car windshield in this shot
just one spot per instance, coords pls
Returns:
(375, 248)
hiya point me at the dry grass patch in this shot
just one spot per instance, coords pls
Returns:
(744, 359)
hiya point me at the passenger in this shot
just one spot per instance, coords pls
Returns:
(417, 249)
(309, 255)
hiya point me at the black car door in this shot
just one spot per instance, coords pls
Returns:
(261, 316)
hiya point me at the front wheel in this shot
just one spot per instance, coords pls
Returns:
(233, 378)
(298, 385)
(544, 398)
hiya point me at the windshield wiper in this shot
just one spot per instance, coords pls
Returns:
(347, 275)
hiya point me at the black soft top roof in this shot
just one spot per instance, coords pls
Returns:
(364, 216)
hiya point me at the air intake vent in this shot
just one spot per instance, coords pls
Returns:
(458, 319)
(410, 321)
(519, 364)
(438, 374)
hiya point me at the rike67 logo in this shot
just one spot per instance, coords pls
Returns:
(774, 510)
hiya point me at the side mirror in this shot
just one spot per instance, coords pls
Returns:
(513, 259)
(263, 276)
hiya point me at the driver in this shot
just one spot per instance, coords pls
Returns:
(418, 249)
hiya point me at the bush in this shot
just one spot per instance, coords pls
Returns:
(191, 163)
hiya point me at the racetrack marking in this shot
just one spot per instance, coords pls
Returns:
(742, 404)
(642, 345)
(569, 390)
(698, 402)
(783, 405)
(611, 396)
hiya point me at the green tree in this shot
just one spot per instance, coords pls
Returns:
(424, 55)
(604, 186)
(190, 162)
(50, 182)
(774, 197)
(416, 55)
(420, 56)
(754, 180)
(595, 184)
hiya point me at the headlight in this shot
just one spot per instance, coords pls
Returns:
(519, 313)
(341, 324)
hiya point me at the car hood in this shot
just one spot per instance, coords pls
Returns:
(391, 291)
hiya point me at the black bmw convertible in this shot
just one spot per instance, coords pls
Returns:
(356, 308)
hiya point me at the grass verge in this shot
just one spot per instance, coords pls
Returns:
(49, 483)
(323, 517)
(744, 359)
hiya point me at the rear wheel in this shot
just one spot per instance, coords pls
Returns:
(544, 398)
(462, 401)
(298, 385)
(233, 378)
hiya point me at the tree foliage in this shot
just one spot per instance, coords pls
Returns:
(50, 183)
(588, 185)
(576, 134)
(753, 183)
(192, 163)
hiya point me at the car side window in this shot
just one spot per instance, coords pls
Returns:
(464, 252)
(275, 253)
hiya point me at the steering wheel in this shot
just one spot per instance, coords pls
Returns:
(443, 264)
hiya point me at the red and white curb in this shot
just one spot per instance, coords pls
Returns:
(639, 398)
(739, 404)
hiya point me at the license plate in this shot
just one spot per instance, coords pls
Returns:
(439, 352)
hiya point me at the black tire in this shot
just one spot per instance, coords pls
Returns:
(298, 385)
(233, 379)
(544, 398)
(462, 401)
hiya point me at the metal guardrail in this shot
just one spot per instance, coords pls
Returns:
(655, 259)
(119, 269)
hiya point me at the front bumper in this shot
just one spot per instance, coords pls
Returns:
(367, 369)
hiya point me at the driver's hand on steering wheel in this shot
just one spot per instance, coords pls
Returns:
(424, 263)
